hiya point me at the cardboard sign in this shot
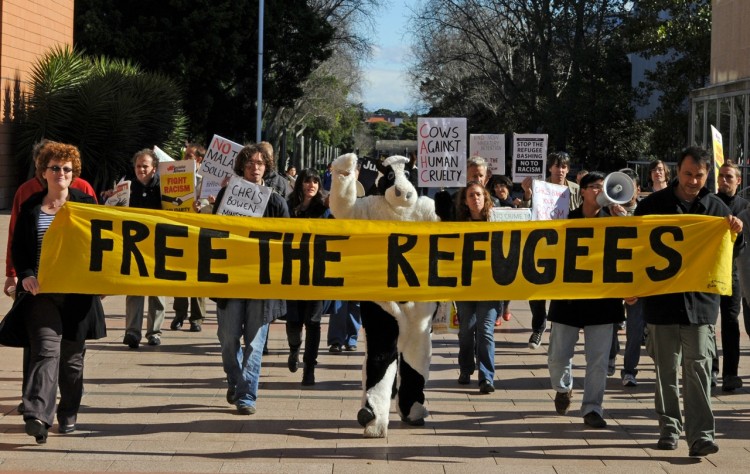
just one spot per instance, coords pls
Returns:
(217, 164)
(121, 196)
(243, 198)
(368, 173)
(177, 181)
(509, 214)
(549, 201)
(529, 156)
(441, 157)
(162, 155)
(491, 147)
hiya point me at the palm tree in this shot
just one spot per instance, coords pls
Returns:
(108, 108)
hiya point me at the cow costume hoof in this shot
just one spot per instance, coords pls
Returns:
(365, 416)
(416, 415)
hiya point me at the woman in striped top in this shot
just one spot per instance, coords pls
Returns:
(56, 324)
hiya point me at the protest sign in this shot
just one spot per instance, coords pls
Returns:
(509, 214)
(121, 195)
(217, 164)
(162, 155)
(491, 147)
(529, 156)
(177, 181)
(549, 201)
(368, 173)
(114, 250)
(718, 146)
(243, 198)
(441, 157)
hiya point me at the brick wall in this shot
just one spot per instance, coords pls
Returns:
(28, 29)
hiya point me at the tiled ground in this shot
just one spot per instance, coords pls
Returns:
(162, 409)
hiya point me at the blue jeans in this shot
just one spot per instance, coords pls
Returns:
(597, 343)
(344, 323)
(242, 319)
(476, 337)
(635, 326)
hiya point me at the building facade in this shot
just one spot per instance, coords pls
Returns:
(724, 104)
(28, 29)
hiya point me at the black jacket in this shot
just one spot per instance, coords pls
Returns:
(688, 307)
(83, 315)
(146, 196)
(588, 312)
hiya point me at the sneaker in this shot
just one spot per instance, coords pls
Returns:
(37, 429)
(131, 341)
(246, 410)
(464, 378)
(714, 379)
(352, 348)
(535, 340)
(335, 348)
(703, 447)
(176, 323)
(65, 429)
(628, 380)
(308, 377)
(486, 386)
(594, 420)
(508, 316)
(154, 340)
(731, 383)
(562, 402)
(195, 327)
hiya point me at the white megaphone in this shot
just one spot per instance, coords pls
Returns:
(618, 188)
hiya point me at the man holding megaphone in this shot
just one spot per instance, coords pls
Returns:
(596, 317)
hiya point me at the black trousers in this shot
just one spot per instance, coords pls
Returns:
(730, 330)
(53, 362)
(307, 314)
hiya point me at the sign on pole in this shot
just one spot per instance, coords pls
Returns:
(491, 147)
(217, 164)
(529, 156)
(442, 152)
(177, 180)
(162, 155)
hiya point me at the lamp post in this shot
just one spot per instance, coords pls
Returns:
(259, 113)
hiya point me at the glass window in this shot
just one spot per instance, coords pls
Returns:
(710, 120)
(699, 112)
(737, 151)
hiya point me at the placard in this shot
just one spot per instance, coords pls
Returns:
(529, 156)
(510, 214)
(441, 157)
(177, 181)
(549, 201)
(121, 195)
(243, 198)
(491, 147)
(217, 164)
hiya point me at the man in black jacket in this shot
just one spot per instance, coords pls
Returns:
(729, 179)
(681, 325)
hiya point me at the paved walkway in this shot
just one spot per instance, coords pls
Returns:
(162, 409)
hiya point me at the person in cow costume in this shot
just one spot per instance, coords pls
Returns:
(392, 328)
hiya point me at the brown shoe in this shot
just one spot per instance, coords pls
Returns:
(562, 402)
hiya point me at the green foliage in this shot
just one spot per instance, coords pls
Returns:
(677, 34)
(211, 48)
(109, 109)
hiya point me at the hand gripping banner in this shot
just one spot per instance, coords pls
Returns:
(104, 250)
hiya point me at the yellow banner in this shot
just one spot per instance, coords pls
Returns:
(105, 250)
